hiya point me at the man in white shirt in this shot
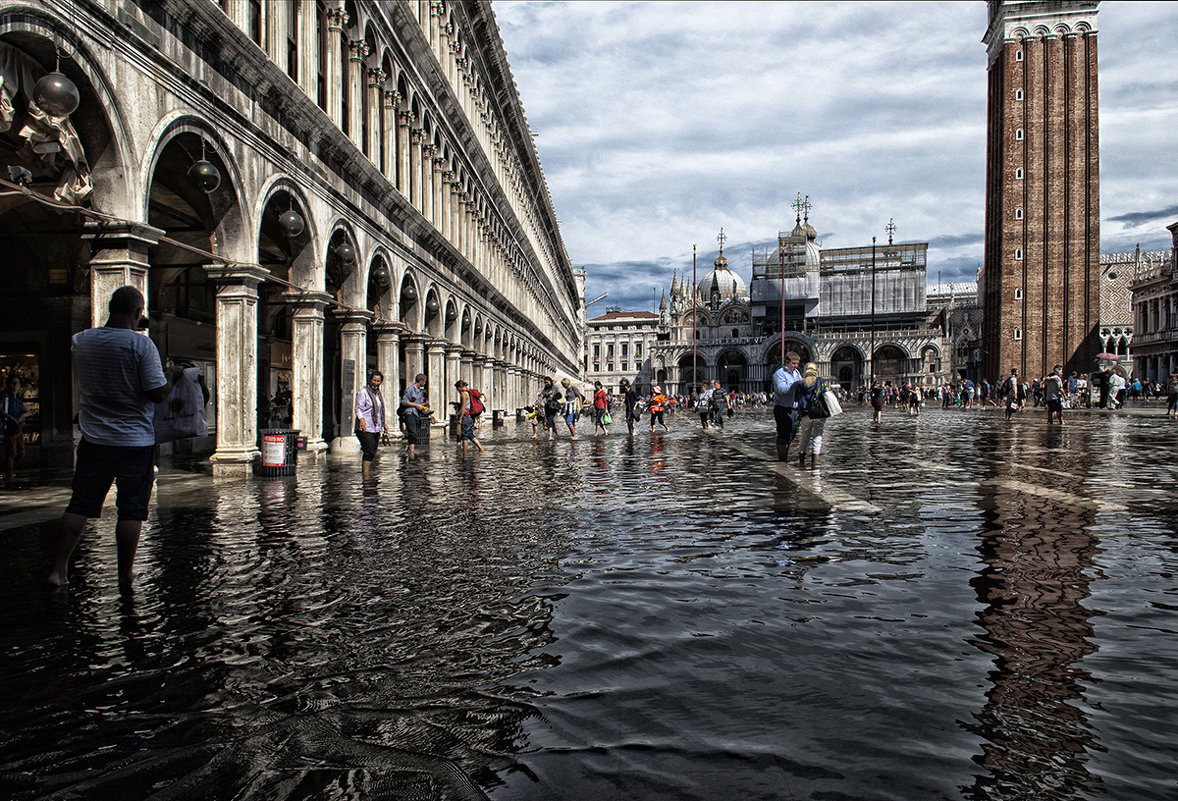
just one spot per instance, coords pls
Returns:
(120, 379)
(785, 405)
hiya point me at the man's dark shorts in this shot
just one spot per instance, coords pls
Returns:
(467, 428)
(1054, 405)
(131, 469)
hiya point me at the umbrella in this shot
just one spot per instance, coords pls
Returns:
(1110, 356)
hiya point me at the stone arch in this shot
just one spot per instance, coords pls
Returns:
(110, 182)
(303, 266)
(342, 272)
(433, 312)
(378, 295)
(410, 303)
(846, 365)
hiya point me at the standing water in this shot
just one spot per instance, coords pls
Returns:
(951, 607)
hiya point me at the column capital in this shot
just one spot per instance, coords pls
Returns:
(237, 273)
(308, 299)
(122, 234)
(349, 316)
(337, 19)
(389, 328)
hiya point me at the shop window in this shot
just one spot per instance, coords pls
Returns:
(27, 367)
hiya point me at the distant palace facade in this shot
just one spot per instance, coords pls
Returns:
(720, 329)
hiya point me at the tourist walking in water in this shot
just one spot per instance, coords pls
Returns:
(600, 401)
(703, 404)
(658, 406)
(466, 432)
(1053, 394)
(1012, 390)
(549, 405)
(719, 404)
(1172, 396)
(416, 414)
(812, 416)
(370, 420)
(630, 401)
(120, 379)
(878, 394)
(785, 382)
(573, 400)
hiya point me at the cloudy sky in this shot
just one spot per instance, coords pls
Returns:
(658, 123)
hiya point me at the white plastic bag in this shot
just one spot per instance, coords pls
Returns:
(182, 413)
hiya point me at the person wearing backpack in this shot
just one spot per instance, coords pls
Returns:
(478, 405)
(1010, 390)
(812, 414)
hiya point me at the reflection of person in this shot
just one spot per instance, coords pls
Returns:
(467, 431)
(14, 416)
(120, 381)
(416, 412)
(785, 402)
(370, 419)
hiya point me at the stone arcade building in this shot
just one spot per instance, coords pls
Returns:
(380, 204)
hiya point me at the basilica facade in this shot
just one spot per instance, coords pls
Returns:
(303, 190)
(859, 313)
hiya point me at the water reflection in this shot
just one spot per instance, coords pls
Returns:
(1038, 554)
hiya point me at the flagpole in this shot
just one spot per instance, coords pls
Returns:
(694, 340)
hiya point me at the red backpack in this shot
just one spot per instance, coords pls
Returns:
(476, 401)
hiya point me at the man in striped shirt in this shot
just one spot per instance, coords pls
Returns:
(120, 379)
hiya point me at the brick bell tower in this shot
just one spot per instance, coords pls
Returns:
(1041, 275)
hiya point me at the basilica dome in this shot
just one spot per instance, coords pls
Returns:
(723, 280)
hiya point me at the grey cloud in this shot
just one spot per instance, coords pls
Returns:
(1133, 218)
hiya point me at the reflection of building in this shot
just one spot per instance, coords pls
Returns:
(829, 316)
(1155, 312)
(1038, 552)
(1041, 280)
(302, 190)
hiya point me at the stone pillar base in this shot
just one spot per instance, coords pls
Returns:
(344, 446)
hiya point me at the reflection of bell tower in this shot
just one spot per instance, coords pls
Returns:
(1038, 550)
(1040, 280)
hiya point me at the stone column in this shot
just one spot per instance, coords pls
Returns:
(453, 373)
(353, 342)
(478, 372)
(337, 21)
(414, 357)
(308, 39)
(403, 149)
(439, 182)
(428, 152)
(307, 360)
(388, 361)
(237, 365)
(392, 154)
(436, 375)
(355, 90)
(118, 258)
(376, 77)
(416, 137)
(466, 368)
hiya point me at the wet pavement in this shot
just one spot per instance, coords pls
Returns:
(950, 607)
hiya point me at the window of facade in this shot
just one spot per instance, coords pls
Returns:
(1018, 214)
(1018, 293)
(1018, 254)
(1018, 174)
(255, 22)
(1018, 135)
(1018, 334)
(1018, 55)
(625, 350)
(596, 351)
(638, 350)
(1018, 95)
(625, 366)
(292, 40)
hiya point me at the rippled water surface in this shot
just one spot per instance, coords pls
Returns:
(951, 608)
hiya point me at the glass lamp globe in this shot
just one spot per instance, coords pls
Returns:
(205, 176)
(291, 223)
(56, 95)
